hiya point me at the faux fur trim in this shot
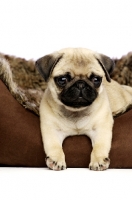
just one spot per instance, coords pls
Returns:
(29, 98)
(123, 70)
(27, 86)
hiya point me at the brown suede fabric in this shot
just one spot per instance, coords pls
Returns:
(21, 143)
(20, 138)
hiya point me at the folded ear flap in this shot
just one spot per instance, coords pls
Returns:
(107, 65)
(46, 64)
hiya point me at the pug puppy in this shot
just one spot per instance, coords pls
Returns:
(80, 99)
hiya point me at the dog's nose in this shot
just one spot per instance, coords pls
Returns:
(80, 84)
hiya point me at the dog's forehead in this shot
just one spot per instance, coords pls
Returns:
(77, 62)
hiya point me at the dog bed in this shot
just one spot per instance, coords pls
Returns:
(21, 144)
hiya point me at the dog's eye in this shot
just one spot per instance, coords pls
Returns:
(96, 80)
(62, 80)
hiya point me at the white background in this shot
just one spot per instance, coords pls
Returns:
(33, 28)
(70, 184)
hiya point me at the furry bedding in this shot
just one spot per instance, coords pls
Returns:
(21, 143)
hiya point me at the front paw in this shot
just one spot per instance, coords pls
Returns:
(55, 163)
(99, 164)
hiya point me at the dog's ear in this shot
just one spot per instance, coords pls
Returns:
(107, 65)
(46, 64)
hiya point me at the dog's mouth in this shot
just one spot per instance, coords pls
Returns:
(78, 97)
(77, 104)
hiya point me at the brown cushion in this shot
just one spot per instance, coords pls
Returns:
(21, 143)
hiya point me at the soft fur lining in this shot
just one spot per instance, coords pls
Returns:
(29, 98)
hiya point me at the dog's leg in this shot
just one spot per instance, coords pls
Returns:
(52, 140)
(101, 142)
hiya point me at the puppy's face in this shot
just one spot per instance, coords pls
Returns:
(75, 76)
